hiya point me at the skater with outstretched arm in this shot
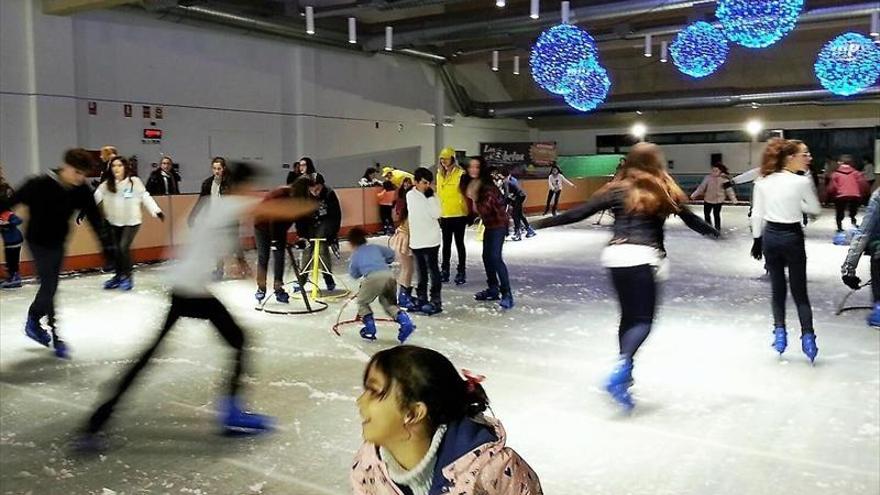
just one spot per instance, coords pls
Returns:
(642, 199)
(212, 238)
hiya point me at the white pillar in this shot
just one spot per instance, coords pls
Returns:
(439, 113)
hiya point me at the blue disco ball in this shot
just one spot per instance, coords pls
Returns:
(589, 86)
(699, 49)
(848, 64)
(757, 23)
(556, 50)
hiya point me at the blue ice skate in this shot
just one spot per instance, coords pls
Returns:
(368, 332)
(113, 283)
(619, 382)
(282, 296)
(780, 339)
(808, 345)
(234, 420)
(490, 294)
(36, 333)
(874, 317)
(406, 326)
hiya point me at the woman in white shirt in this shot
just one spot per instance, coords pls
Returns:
(555, 181)
(780, 200)
(122, 196)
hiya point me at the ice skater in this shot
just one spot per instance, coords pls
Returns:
(386, 197)
(270, 238)
(370, 262)
(554, 182)
(52, 198)
(780, 201)
(425, 433)
(453, 215)
(641, 200)
(399, 242)
(714, 194)
(516, 198)
(486, 201)
(866, 241)
(424, 241)
(326, 223)
(121, 196)
(213, 237)
(847, 187)
(12, 238)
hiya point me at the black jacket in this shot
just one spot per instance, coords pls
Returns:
(629, 228)
(51, 205)
(156, 184)
(206, 186)
(328, 217)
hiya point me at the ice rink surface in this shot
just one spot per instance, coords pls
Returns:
(717, 411)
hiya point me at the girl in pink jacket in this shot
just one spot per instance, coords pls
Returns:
(425, 433)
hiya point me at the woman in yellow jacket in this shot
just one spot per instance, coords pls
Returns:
(453, 214)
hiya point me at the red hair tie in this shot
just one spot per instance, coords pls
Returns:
(472, 379)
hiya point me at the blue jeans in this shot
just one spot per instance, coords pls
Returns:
(496, 270)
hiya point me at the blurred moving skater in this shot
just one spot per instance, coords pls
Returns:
(641, 200)
(214, 236)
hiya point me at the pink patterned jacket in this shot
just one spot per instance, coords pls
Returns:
(489, 469)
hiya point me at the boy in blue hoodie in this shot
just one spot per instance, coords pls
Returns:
(371, 261)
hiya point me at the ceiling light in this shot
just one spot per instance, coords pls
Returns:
(310, 20)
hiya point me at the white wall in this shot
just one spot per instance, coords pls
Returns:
(266, 100)
(690, 158)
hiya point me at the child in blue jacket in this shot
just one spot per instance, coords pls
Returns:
(371, 261)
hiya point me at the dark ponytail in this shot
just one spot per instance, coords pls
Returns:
(424, 375)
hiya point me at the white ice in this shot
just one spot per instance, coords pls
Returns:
(718, 412)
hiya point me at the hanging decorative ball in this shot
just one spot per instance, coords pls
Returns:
(757, 23)
(555, 51)
(589, 86)
(848, 64)
(699, 49)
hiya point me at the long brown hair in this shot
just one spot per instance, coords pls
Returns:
(111, 180)
(776, 153)
(649, 188)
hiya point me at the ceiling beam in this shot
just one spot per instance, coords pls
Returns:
(67, 7)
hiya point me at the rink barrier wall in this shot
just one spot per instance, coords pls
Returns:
(156, 239)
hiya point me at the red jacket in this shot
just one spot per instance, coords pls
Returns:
(490, 206)
(847, 183)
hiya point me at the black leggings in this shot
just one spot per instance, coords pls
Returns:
(453, 227)
(875, 275)
(49, 261)
(841, 206)
(715, 210)
(13, 258)
(123, 236)
(637, 294)
(203, 308)
(784, 247)
(519, 218)
(271, 240)
(385, 214)
(554, 197)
